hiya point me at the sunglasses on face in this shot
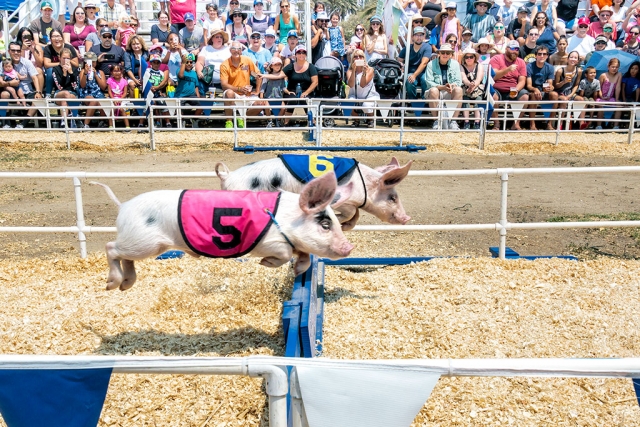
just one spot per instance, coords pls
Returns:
(236, 16)
(482, 5)
(608, 30)
(107, 36)
(189, 62)
(285, 6)
(14, 50)
(103, 25)
(301, 52)
(470, 57)
(358, 56)
(134, 25)
(633, 33)
(375, 23)
(514, 48)
(446, 53)
(542, 54)
(359, 29)
(583, 26)
(235, 48)
(255, 37)
(498, 27)
(79, 13)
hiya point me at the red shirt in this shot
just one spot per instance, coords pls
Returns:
(595, 29)
(179, 7)
(509, 80)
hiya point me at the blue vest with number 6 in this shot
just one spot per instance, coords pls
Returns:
(307, 167)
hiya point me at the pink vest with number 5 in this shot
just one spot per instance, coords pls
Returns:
(225, 224)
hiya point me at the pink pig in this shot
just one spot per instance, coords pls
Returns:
(288, 225)
(373, 189)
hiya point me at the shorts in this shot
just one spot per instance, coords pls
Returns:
(367, 107)
(505, 95)
(251, 99)
(96, 93)
(72, 92)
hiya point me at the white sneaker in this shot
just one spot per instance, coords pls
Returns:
(454, 125)
(19, 126)
(598, 127)
(7, 126)
(436, 124)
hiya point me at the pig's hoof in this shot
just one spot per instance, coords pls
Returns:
(111, 285)
(126, 284)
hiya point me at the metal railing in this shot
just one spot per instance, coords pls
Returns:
(502, 225)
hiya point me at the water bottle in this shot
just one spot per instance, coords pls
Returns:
(136, 92)
(90, 75)
(298, 91)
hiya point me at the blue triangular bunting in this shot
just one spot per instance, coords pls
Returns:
(53, 398)
(636, 387)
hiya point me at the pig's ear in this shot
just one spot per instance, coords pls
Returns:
(222, 171)
(394, 176)
(343, 193)
(394, 162)
(318, 193)
(386, 168)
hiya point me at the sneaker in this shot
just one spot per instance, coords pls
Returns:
(598, 127)
(62, 124)
(194, 124)
(7, 126)
(168, 125)
(436, 124)
(453, 125)
(127, 129)
(228, 124)
(19, 126)
(278, 123)
(616, 127)
(241, 123)
(270, 124)
(476, 125)
(466, 125)
(85, 126)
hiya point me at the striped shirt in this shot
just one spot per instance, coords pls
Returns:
(112, 14)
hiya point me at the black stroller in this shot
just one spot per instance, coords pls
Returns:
(388, 82)
(330, 85)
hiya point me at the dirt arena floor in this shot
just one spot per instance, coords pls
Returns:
(472, 306)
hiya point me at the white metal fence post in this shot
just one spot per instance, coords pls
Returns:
(298, 416)
(504, 188)
(82, 238)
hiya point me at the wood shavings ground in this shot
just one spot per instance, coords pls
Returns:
(446, 308)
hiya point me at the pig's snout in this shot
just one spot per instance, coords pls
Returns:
(400, 219)
(342, 249)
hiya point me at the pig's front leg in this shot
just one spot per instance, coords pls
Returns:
(129, 276)
(346, 212)
(303, 262)
(350, 223)
(273, 262)
(115, 270)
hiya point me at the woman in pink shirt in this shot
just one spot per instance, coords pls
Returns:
(177, 9)
(77, 31)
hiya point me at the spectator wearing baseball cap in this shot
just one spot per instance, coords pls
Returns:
(270, 41)
(259, 21)
(41, 27)
(108, 53)
(448, 23)
(601, 43)
(510, 78)
(419, 55)
(580, 41)
(375, 42)
(258, 54)
(287, 52)
(480, 23)
(517, 26)
(178, 9)
(191, 35)
(285, 21)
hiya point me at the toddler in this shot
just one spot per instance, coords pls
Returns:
(589, 89)
(118, 87)
(9, 74)
(125, 31)
(273, 88)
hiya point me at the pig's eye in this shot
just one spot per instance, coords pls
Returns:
(393, 198)
(325, 224)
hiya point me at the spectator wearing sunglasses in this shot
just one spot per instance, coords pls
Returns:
(286, 22)
(320, 41)
(356, 39)
(260, 56)
(375, 43)
(480, 23)
(631, 44)
(540, 79)
(598, 27)
(580, 41)
(238, 30)
(107, 52)
(510, 73)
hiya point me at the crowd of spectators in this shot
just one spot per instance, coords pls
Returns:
(536, 51)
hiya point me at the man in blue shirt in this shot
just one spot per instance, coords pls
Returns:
(260, 56)
(419, 56)
(540, 76)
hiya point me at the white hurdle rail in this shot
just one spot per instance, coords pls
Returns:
(502, 225)
(278, 382)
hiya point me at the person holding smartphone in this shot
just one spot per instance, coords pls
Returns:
(107, 52)
(65, 84)
(361, 86)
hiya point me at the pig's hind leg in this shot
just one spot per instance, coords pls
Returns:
(273, 262)
(129, 276)
(115, 270)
